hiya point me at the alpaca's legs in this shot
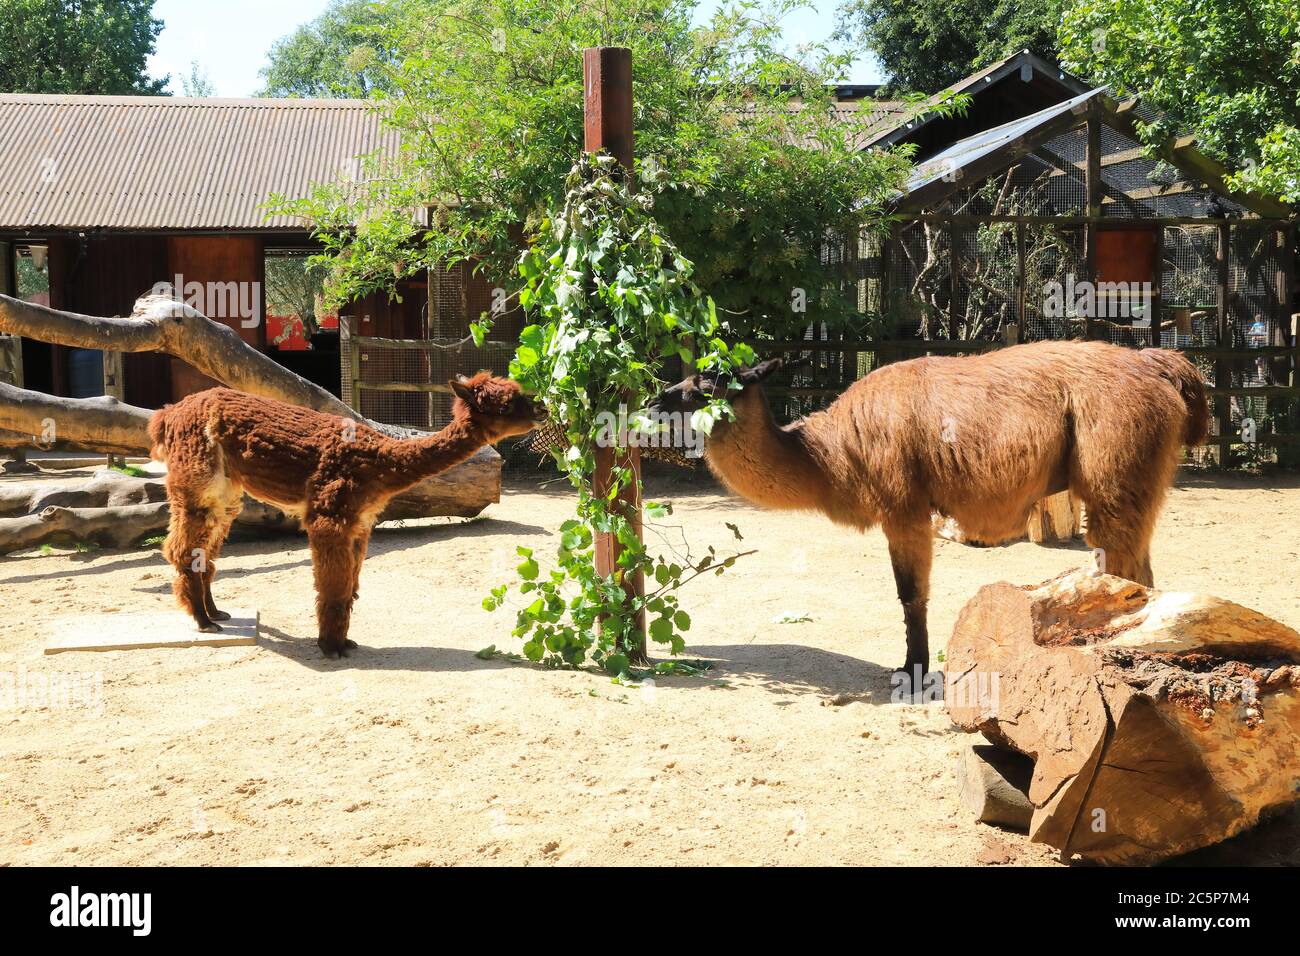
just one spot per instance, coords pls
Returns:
(910, 553)
(359, 546)
(186, 549)
(333, 557)
(216, 538)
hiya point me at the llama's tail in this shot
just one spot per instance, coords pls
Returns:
(1185, 377)
(158, 434)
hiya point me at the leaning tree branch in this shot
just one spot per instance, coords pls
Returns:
(162, 324)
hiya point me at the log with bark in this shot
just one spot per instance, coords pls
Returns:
(1159, 722)
(109, 508)
(160, 323)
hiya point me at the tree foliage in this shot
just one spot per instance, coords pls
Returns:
(488, 98)
(927, 45)
(334, 56)
(78, 46)
(1228, 71)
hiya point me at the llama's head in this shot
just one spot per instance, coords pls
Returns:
(498, 405)
(692, 394)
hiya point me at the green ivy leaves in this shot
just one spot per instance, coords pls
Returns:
(608, 296)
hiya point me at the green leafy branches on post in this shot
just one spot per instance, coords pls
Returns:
(609, 295)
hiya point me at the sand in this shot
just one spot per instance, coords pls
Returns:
(417, 751)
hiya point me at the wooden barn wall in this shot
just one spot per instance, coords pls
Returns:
(217, 259)
(104, 275)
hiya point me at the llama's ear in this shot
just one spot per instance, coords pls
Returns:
(756, 373)
(460, 388)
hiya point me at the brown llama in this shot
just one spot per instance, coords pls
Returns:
(334, 474)
(979, 439)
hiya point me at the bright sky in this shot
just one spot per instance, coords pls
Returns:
(230, 38)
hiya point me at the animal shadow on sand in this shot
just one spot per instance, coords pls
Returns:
(795, 669)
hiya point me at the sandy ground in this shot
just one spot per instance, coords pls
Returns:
(415, 751)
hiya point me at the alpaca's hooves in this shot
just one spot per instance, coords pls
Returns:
(219, 615)
(210, 628)
(335, 651)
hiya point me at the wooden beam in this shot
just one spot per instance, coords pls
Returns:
(1223, 336)
(1094, 186)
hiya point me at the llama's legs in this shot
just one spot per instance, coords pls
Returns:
(333, 557)
(1125, 544)
(910, 553)
(186, 549)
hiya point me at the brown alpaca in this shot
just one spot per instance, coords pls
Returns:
(336, 475)
(979, 439)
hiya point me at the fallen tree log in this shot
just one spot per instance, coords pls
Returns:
(122, 526)
(105, 424)
(163, 324)
(119, 498)
(1158, 722)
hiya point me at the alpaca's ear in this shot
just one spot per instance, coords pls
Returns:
(461, 390)
(756, 373)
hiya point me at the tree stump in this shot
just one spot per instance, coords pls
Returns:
(1057, 517)
(1159, 722)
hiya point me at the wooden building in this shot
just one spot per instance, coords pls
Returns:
(104, 198)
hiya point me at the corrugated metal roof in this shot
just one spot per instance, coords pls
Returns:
(966, 151)
(140, 162)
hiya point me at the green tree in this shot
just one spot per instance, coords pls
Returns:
(488, 99)
(338, 54)
(1228, 71)
(197, 83)
(927, 45)
(78, 46)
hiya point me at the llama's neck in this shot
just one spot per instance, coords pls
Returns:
(771, 466)
(414, 459)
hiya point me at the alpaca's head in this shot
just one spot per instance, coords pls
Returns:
(694, 393)
(498, 405)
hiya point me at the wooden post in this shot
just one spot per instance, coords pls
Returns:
(350, 352)
(1094, 186)
(114, 375)
(607, 126)
(1022, 278)
(1223, 338)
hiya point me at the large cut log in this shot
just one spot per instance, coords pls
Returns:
(1159, 722)
(105, 424)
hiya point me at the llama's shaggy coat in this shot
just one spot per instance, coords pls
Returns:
(333, 473)
(979, 439)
